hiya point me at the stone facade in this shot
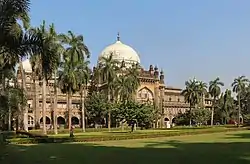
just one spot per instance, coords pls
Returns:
(167, 99)
(152, 89)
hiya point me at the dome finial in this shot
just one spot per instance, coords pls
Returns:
(118, 36)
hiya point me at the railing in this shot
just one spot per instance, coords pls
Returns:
(168, 103)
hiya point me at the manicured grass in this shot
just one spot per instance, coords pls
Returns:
(148, 131)
(112, 133)
(222, 148)
(107, 136)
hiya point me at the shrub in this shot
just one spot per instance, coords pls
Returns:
(31, 134)
(2, 138)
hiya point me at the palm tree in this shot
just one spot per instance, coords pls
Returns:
(122, 89)
(36, 67)
(47, 62)
(83, 72)
(215, 91)
(74, 58)
(128, 83)
(59, 51)
(191, 95)
(10, 12)
(202, 87)
(239, 85)
(96, 77)
(133, 77)
(16, 43)
(68, 82)
(76, 46)
(108, 68)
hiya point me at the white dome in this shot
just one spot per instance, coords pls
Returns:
(121, 52)
(27, 66)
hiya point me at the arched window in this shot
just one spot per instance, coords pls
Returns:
(145, 94)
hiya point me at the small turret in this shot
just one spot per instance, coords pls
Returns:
(151, 68)
(156, 72)
(123, 64)
(162, 77)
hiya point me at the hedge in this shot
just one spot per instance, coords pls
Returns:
(79, 130)
(117, 137)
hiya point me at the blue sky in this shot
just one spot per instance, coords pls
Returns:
(201, 38)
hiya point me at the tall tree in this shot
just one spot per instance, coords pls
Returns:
(215, 91)
(74, 57)
(68, 82)
(128, 83)
(59, 50)
(75, 46)
(83, 72)
(202, 88)
(239, 85)
(35, 63)
(191, 95)
(108, 68)
(48, 59)
(96, 104)
(15, 42)
(228, 106)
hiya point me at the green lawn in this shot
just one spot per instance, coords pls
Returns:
(221, 148)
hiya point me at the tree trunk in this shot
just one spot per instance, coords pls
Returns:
(83, 94)
(18, 106)
(161, 109)
(51, 106)
(34, 103)
(109, 112)
(212, 113)
(9, 108)
(55, 103)
(239, 110)
(190, 117)
(44, 105)
(9, 119)
(25, 110)
(69, 107)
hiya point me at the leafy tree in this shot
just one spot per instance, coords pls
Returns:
(228, 106)
(182, 118)
(96, 106)
(129, 111)
(200, 116)
(215, 91)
